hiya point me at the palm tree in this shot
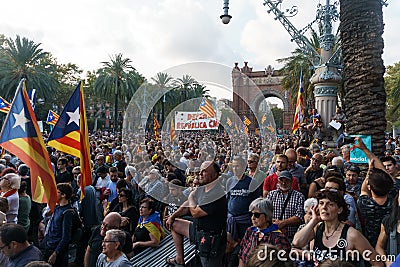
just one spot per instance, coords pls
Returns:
(163, 81)
(300, 62)
(361, 26)
(185, 84)
(23, 58)
(117, 78)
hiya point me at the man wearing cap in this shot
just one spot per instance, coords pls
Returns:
(353, 181)
(271, 181)
(295, 169)
(288, 205)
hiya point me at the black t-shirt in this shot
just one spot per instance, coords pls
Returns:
(95, 243)
(132, 214)
(121, 165)
(214, 203)
(311, 175)
(64, 177)
(373, 214)
(141, 234)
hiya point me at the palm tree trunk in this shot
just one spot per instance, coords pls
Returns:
(362, 47)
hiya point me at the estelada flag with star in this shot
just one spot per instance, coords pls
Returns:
(70, 134)
(21, 136)
(4, 105)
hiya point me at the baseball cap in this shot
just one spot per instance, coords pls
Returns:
(285, 174)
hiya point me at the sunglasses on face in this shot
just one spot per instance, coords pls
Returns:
(256, 214)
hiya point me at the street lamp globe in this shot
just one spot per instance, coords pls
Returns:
(225, 18)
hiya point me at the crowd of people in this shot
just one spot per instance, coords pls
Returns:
(240, 202)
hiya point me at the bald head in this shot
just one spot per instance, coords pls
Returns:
(111, 221)
(292, 157)
(209, 171)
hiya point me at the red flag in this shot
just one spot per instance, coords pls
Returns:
(21, 136)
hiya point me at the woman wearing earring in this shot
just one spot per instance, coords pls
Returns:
(333, 239)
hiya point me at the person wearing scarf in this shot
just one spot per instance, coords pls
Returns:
(262, 231)
(149, 230)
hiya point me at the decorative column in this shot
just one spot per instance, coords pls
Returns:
(326, 78)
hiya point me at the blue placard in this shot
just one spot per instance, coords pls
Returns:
(356, 155)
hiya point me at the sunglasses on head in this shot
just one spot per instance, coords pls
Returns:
(256, 214)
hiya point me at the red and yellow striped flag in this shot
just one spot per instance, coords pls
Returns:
(156, 126)
(207, 108)
(299, 115)
(172, 132)
(70, 134)
(4, 105)
(21, 136)
(246, 121)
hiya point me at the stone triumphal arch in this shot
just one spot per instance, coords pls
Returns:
(250, 88)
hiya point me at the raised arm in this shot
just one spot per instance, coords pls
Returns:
(305, 235)
(371, 156)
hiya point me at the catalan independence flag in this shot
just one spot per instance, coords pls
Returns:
(299, 115)
(4, 105)
(264, 118)
(156, 126)
(52, 118)
(246, 121)
(70, 134)
(172, 132)
(207, 108)
(229, 122)
(21, 136)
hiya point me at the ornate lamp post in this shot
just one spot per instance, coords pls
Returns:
(326, 78)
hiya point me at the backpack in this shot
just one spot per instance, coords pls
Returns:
(77, 225)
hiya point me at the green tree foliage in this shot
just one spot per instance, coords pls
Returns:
(294, 64)
(118, 77)
(22, 58)
(392, 88)
(278, 117)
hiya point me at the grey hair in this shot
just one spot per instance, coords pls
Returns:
(117, 152)
(15, 180)
(157, 171)
(130, 170)
(118, 236)
(253, 156)
(309, 203)
(264, 206)
(338, 161)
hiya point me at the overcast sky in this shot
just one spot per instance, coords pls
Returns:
(160, 34)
